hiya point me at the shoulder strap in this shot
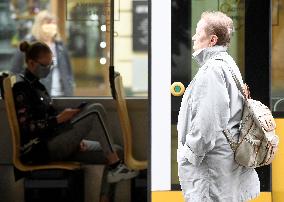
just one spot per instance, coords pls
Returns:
(226, 132)
(230, 139)
(237, 82)
(23, 77)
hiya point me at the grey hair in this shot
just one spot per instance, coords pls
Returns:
(219, 24)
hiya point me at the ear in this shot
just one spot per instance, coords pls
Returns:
(213, 40)
(30, 62)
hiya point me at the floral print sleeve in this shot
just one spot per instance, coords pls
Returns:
(33, 123)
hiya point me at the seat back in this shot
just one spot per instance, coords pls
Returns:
(12, 118)
(8, 84)
(129, 159)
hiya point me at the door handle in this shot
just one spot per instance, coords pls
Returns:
(177, 89)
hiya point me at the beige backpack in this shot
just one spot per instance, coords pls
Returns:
(257, 142)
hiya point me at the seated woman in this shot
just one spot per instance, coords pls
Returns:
(48, 135)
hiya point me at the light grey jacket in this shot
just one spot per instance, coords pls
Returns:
(210, 104)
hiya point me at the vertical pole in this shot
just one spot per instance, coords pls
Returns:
(111, 32)
(111, 67)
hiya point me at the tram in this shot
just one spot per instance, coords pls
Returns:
(258, 51)
(109, 66)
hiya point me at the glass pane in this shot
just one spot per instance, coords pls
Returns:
(131, 45)
(83, 27)
(130, 58)
(277, 72)
(88, 44)
(233, 8)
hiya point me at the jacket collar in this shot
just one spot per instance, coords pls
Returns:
(30, 77)
(203, 55)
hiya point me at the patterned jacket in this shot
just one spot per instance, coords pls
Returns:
(36, 117)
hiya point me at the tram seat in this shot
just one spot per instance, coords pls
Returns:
(129, 158)
(15, 132)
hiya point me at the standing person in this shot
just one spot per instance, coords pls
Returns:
(60, 81)
(211, 104)
(48, 135)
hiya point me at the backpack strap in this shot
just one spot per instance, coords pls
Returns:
(24, 78)
(237, 82)
(229, 138)
(226, 132)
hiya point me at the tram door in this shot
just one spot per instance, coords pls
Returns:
(250, 47)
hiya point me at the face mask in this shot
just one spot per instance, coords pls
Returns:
(42, 71)
(49, 30)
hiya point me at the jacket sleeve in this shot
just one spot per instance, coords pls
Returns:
(17, 62)
(26, 115)
(67, 62)
(210, 114)
(70, 72)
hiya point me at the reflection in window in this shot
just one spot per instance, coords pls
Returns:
(84, 22)
(131, 45)
(85, 33)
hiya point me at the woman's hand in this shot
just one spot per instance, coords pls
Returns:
(67, 115)
(246, 91)
(83, 146)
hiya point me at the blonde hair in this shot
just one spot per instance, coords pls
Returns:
(219, 24)
(40, 19)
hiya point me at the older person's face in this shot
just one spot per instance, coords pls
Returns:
(200, 38)
(48, 30)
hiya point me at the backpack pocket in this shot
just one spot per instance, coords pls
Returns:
(247, 152)
(271, 148)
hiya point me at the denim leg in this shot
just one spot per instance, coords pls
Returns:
(90, 122)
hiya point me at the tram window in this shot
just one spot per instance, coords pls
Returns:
(183, 70)
(277, 72)
(235, 9)
(84, 29)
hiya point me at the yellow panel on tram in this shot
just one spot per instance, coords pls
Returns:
(176, 196)
(278, 165)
